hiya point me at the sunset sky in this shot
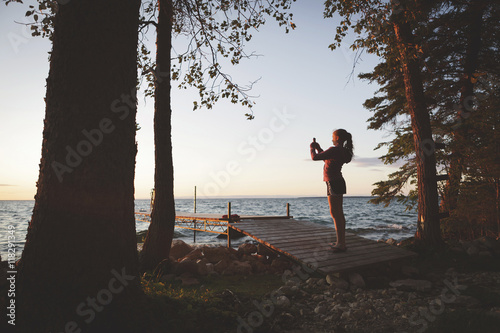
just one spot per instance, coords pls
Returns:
(303, 92)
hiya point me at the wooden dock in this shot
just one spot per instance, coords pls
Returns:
(307, 243)
(304, 242)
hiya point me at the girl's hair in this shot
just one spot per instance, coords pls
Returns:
(345, 139)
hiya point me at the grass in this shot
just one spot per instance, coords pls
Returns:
(208, 306)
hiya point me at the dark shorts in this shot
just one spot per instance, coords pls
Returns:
(336, 187)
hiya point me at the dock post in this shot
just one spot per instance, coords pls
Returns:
(194, 232)
(287, 209)
(228, 227)
(195, 199)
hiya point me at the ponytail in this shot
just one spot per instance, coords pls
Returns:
(345, 139)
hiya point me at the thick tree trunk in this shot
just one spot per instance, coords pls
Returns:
(79, 268)
(451, 191)
(161, 230)
(428, 229)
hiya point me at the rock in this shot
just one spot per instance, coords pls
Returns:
(357, 280)
(312, 281)
(321, 283)
(488, 243)
(215, 254)
(265, 251)
(451, 271)
(238, 268)
(282, 301)
(391, 241)
(167, 278)
(189, 281)
(485, 254)
(466, 301)
(377, 282)
(457, 249)
(202, 266)
(320, 309)
(193, 255)
(221, 265)
(210, 267)
(410, 270)
(288, 291)
(186, 266)
(179, 249)
(346, 315)
(412, 285)
(258, 267)
(280, 264)
(247, 248)
(337, 282)
(472, 250)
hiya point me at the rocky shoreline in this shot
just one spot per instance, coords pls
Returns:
(412, 297)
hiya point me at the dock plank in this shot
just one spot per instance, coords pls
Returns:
(307, 242)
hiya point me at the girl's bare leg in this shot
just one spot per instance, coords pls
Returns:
(337, 212)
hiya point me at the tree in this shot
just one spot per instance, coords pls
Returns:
(79, 267)
(428, 228)
(388, 32)
(161, 229)
(210, 40)
(458, 44)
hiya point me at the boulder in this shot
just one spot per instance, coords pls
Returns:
(265, 251)
(282, 301)
(186, 266)
(202, 266)
(215, 254)
(221, 265)
(188, 280)
(472, 250)
(258, 267)
(410, 270)
(391, 241)
(179, 249)
(247, 248)
(248, 258)
(488, 243)
(167, 278)
(412, 285)
(193, 255)
(280, 264)
(238, 268)
(356, 280)
(337, 282)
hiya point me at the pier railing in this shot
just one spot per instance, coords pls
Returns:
(212, 223)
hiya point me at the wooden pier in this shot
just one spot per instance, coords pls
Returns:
(302, 241)
(308, 244)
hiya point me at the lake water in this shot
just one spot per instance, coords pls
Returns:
(364, 219)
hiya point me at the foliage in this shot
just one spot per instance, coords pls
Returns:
(216, 33)
(443, 43)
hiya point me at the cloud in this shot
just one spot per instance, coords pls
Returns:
(365, 162)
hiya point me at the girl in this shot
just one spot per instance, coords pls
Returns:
(335, 157)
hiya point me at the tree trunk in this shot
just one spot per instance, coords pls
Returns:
(79, 268)
(428, 229)
(460, 135)
(161, 230)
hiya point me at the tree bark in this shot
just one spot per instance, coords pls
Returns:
(80, 246)
(161, 230)
(428, 228)
(451, 191)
